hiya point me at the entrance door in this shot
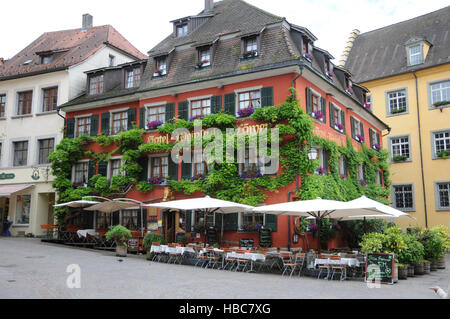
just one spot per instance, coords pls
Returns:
(169, 227)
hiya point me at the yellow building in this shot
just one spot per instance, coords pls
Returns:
(406, 67)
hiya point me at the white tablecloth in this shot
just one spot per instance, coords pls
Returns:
(85, 232)
(351, 262)
(250, 256)
(168, 250)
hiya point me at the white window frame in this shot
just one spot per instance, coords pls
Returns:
(151, 105)
(37, 149)
(73, 170)
(109, 172)
(389, 99)
(197, 98)
(357, 127)
(75, 133)
(433, 142)
(6, 105)
(412, 55)
(430, 93)
(111, 121)
(11, 153)
(149, 165)
(342, 165)
(391, 150)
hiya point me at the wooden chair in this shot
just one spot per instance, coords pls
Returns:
(241, 263)
(326, 267)
(300, 260)
(341, 269)
(201, 257)
(288, 264)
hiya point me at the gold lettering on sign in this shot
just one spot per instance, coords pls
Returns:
(158, 139)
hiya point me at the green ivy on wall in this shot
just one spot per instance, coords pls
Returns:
(224, 182)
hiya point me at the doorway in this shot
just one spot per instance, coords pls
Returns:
(169, 227)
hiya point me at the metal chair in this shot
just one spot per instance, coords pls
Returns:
(288, 264)
(241, 263)
(339, 268)
(326, 267)
(201, 257)
(212, 257)
(300, 259)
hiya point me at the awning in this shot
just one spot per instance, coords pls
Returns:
(8, 190)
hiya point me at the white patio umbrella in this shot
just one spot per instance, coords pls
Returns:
(77, 203)
(111, 206)
(319, 208)
(204, 204)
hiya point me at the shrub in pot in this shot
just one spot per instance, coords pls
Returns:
(120, 235)
(433, 245)
(412, 255)
(444, 234)
(149, 239)
(402, 271)
(410, 270)
(426, 266)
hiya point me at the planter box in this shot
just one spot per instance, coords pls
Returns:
(434, 266)
(418, 269)
(121, 251)
(426, 268)
(410, 271)
(441, 263)
(403, 273)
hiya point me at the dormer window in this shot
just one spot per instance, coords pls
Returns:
(250, 47)
(348, 85)
(307, 50)
(182, 30)
(160, 66)
(46, 59)
(204, 57)
(415, 54)
(96, 84)
(132, 78)
(328, 68)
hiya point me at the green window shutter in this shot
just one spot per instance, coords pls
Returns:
(323, 104)
(308, 101)
(170, 112)
(131, 118)
(218, 221)
(173, 169)
(378, 139)
(230, 104)
(103, 168)
(94, 125)
(362, 129)
(326, 156)
(91, 169)
(230, 221)
(105, 123)
(183, 110)
(267, 96)
(343, 119)
(216, 104)
(186, 169)
(70, 132)
(271, 222)
(331, 115)
(142, 117)
(143, 163)
(188, 220)
(371, 137)
(352, 124)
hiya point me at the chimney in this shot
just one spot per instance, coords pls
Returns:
(209, 5)
(350, 42)
(87, 22)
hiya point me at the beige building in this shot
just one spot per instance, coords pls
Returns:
(47, 73)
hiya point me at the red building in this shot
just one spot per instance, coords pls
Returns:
(214, 62)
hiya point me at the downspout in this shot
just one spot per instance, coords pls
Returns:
(420, 148)
(297, 177)
(63, 117)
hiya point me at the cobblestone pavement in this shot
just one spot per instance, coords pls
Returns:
(31, 269)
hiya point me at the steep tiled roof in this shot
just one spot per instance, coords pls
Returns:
(382, 53)
(70, 46)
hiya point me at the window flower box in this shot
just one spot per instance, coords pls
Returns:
(156, 180)
(339, 127)
(443, 154)
(203, 64)
(250, 54)
(157, 73)
(343, 176)
(312, 227)
(329, 74)
(359, 138)
(321, 171)
(197, 117)
(363, 182)
(349, 90)
(246, 112)
(317, 115)
(376, 147)
(367, 105)
(154, 125)
(441, 103)
(251, 174)
(308, 56)
(251, 227)
(398, 111)
(197, 177)
(400, 158)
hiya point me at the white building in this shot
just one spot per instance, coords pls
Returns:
(47, 73)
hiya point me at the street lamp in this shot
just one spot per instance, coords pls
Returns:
(312, 154)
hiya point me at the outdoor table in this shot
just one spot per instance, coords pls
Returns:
(85, 232)
(350, 262)
(250, 256)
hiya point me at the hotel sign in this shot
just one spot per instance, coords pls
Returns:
(4, 176)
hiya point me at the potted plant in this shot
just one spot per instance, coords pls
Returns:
(441, 103)
(444, 234)
(401, 110)
(376, 147)
(246, 112)
(308, 56)
(400, 158)
(120, 235)
(360, 138)
(154, 125)
(426, 266)
(149, 239)
(339, 127)
(443, 154)
(302, 227)
(317, 115)
(402, 271)
(433, 244)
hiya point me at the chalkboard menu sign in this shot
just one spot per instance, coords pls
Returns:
(246, 243)
(133, 244)
(265, 238)
(380, 268)
(211, 236)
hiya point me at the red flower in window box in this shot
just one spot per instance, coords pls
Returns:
(367, 105)
(317, 115)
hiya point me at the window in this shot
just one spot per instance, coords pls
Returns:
(22, 214)
(25, 103)
(251, 165)
(403, 197)
(182, 30)
(102, 220)
(156, 113)
(440, 93)
(204, 56)
(199, 219)
(160, 66)
(316, 103)
(415, 54)
(50, 99)
(133, 78)
(368, 101)
(250, 220)
(116, 164)
(130, 219)
(200, 165)
(45, 148)
(400, 148)
(96, 84)
(337, 118)
(20, 153)
(250, 47)
(357, 132)
(249, 99)
(443, 195)
(83, 126)
(112, 60)
(46, 59)
(342, 166)
(159, 167)
(81, 173)
(348, 85)
(397, 102)
(374, 139)
(441, 144)
(200, 108)
(2, 105)
(360, 173)
(378, 178)
(119, 122)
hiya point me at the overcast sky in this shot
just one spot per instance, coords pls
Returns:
(146, 22)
